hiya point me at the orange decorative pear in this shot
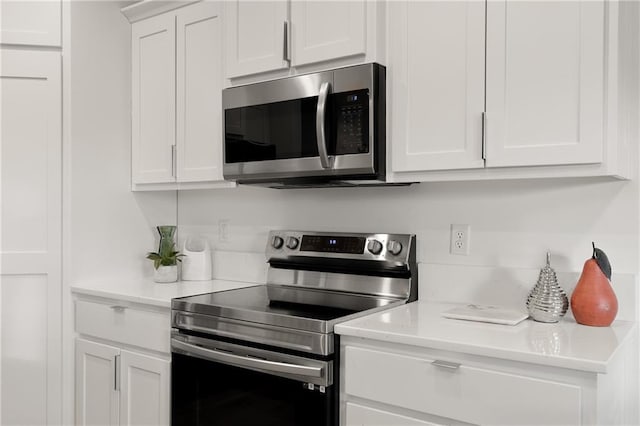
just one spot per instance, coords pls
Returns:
(593, 301)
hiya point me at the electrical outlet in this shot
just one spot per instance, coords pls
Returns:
(460, 239)
(223, 230)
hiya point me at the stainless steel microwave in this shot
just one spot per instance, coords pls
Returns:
(321, 129)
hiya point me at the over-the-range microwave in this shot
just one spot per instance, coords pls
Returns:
(321, 129)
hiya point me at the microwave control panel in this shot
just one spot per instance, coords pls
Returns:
(351, 111)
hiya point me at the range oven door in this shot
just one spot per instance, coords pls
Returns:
(309, 126)
(220, 383)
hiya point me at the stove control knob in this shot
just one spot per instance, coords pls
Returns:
(394, 247)
(277, 242)
(374, 246)
(292, 242)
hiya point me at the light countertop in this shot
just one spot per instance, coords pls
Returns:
(565, 344)
(156, 294)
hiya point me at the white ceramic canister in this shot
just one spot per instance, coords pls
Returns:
(196, 263)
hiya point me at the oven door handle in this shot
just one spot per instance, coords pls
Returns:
(245, 361)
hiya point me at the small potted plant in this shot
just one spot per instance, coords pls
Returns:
(165, 260)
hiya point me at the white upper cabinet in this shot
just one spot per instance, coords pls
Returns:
(34, 23)
(436, 84)
(177, 99)
(545, 82)
(267, 36)
(256, 36)
(153, 100)
(199, 93)
(537, 98)
(322, 30)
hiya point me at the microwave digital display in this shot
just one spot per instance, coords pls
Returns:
(351, 113)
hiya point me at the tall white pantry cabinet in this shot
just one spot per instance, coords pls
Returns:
(31, 200)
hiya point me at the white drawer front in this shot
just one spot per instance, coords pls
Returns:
(358, 415)
(124, 324)
(464, 393)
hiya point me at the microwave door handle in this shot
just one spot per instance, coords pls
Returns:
(321, 138)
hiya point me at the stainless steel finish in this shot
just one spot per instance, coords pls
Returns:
(301, 167)
(321, 137)
(394, 247)
(173, 161)
(246, 361)
(294, 367)
(118, 308)
(292, 243)
(297, 87)
(307, 292)
(116, 378)
(334, 299)
(287, 42)
(286, 89)
(374, 246)
(283, 334)
(348, 291)
(484, 135)
(277, 242)
(286, 254)
(446, 364)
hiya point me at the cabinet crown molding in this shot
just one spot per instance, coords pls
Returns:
(147, 8)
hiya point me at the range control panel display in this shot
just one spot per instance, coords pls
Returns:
(329, 244)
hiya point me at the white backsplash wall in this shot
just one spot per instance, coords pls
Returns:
(110, 227)
(513, 223)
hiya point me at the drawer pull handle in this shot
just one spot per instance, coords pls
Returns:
(446, 364)
(118, 308)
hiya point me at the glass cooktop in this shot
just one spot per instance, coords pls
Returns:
(277, 306)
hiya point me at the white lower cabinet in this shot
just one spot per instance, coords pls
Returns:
(361, 415)
(389, 384)
(144, 389)
(118, 380)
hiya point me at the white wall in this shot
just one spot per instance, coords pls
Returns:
(111, 227)
(513, 223)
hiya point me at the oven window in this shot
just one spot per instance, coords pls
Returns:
(211, 393)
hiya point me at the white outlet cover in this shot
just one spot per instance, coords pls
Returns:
(460, 239)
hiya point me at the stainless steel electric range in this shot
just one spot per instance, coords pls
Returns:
(267, 355)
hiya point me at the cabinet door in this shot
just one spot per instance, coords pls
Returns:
(358, 415)
(436, 84)
(144, 388)
(545, 82)
(35, 23)
(153, 100)
(199, 93)
(322, 30)
(255, 36)
(96, 393)
(30, 237)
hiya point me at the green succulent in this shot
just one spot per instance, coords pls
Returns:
(168, 256)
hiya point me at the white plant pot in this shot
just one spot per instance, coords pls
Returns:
(166, 274)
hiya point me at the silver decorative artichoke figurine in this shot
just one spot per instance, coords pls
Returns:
(547, 302)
